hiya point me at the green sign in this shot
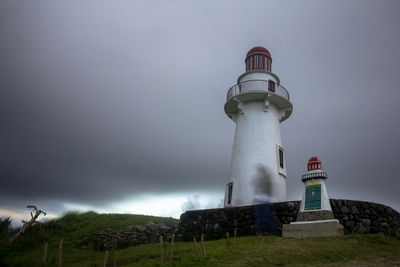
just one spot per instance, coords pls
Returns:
(313, 197)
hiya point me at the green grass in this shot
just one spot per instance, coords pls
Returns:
(274, 251)
(348, 250)
(79, 227)
(76, 230)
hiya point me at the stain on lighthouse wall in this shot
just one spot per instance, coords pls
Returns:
(262, 185)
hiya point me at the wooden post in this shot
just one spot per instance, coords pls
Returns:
(227, 240)
(196, 250)
(202, 244)
(171, 253)
(105, 259)
(115, 259)
(234, 237)
(46, 244)
(60, 253)
(161, 250)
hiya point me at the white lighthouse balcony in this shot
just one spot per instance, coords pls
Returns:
(258, 90)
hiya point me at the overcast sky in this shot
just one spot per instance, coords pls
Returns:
(117, 106)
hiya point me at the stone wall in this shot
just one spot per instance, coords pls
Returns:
(133, 235)
(355, 216)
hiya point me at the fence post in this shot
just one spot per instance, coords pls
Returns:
(234, 237)
(172, 246)
(105, 259)
(202, 244)
(115, 260)
(161, 250)
(45, 253)
(60, 253)
(195, 246)
(227, 240)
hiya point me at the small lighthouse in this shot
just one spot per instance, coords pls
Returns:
(258, 103)
(315, 217)
(315, 204)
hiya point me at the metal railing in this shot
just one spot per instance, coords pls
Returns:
(257, 85)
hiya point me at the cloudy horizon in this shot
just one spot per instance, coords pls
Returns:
(117, 106)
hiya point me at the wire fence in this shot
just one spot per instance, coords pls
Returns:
(52, 254)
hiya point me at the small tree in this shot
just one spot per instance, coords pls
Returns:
(26, 224)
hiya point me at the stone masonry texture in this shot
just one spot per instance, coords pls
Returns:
(356, 217)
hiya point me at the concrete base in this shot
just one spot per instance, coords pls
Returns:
(312, 229)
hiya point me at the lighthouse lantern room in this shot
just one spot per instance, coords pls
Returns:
(258, 103)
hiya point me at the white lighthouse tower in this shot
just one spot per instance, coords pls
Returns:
(257, 104)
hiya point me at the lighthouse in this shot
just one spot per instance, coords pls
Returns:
(258, 103)
(315, 217)
(315, 203)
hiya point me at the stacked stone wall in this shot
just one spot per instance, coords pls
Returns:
(355, 216)
(133, 235)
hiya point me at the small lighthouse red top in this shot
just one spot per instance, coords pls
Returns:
(314, 164)
(314, 170)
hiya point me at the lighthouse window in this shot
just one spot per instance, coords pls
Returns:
(281, 158)
(230, 187)
(280, 161)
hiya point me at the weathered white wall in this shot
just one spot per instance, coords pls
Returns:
(325, 204)
(257, 76)
(254, 153)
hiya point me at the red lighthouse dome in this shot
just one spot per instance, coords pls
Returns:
(258, 49)
(258, 58)
(314, 164)
(314, 170)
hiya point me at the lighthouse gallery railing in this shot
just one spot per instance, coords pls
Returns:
(257, 85)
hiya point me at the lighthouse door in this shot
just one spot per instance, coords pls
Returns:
(271, 86)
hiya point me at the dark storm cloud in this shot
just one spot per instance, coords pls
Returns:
(105, 100)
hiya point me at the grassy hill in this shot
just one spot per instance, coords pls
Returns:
(349, 250)
(76, 230)
(79, 227)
